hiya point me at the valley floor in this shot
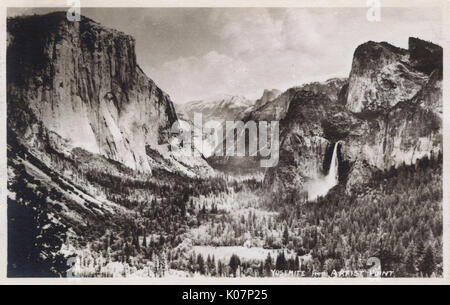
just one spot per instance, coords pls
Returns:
(105, 221)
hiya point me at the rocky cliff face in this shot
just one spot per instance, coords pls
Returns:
(388, 114)
(381, 77)
(77, 84)
(277, 109)
(313, 124)
(398, 94)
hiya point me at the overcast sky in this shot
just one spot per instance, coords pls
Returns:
(195, 53)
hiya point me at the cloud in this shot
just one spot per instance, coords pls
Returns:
(193, 77)
(262, 51)
(279, 48)
(250, 32)
(195, 53)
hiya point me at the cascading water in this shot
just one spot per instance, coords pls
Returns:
(332, 178)
(321, 186)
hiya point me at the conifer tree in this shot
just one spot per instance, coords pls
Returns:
(235, 262)
(410, 262)
(286, 235)
(33, 239)
(220, 268)
(201, 264)
(428, 264)
(268, 265)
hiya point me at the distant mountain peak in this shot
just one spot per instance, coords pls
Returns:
(218, 107)
(268, 96)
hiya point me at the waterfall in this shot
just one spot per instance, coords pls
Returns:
(333, 174)
(321, 185)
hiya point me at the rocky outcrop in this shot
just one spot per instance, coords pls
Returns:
(77, 84)
(381, 77)
(430, 96)
(388, 114)
(425, 56)
(268, 96)
(398, 94)
(312, 126)
(277, 108)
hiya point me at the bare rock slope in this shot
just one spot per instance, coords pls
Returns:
(77, 84)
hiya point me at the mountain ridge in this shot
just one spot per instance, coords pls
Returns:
(224, 107)
(374, 131)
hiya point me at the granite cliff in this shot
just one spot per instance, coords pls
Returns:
(77, 84)
(389, 114)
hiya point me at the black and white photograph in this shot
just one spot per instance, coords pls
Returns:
(224, 143)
